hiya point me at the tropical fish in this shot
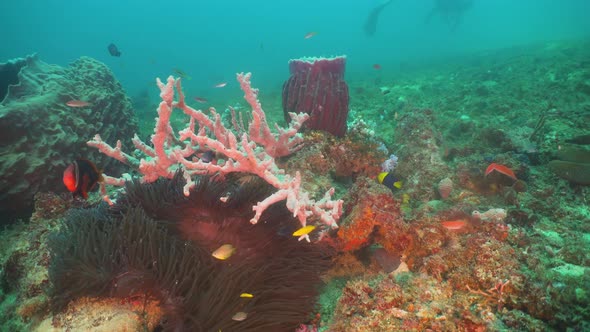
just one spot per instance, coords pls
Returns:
(200, 100)
(207, 156)
(304, 230)
(454, 225)
(220, 85)
(181, 74)
(246, 295)
(500, 169)
(389, 180)
(80, 177)
(239, 316)
(377, 66)
(310, 34)
(582, 139)
(113, 50)
(78, 103)
(224, 252)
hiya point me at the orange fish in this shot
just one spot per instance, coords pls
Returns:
(310, 34)
(77, 103)
(454, 225)
(221, 85)
(501, 169)
(81, 176)
(377, 66)
(224, 252)
(200, 100)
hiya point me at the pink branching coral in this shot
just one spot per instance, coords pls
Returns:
(254, 152)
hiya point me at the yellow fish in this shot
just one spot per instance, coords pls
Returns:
(304, 230)
(224, 252)
(246, 295)
(405, 199)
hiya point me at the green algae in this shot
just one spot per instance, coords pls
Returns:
(553, 238)
(570, 270)
(328, 299)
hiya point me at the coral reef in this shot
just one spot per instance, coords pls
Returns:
(24, 263)
(419, 147)
(41, 135)
(372, 216)
(405, 302)
(255, 153)
(342, 158)
(508, 267)
(483, 235)
(86, 314)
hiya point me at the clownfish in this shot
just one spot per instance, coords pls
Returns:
(389, 180)
(81, 176)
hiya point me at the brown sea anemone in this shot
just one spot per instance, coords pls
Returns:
(158, 243)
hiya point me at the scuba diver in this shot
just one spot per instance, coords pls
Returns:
(371, 23)
(451, 11)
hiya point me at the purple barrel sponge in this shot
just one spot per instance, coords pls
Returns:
(317, 87)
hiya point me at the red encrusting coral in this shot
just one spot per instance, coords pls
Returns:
(371, 211)
(356, 234)
(317, 87)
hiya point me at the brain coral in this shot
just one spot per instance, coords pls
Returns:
(41, 135)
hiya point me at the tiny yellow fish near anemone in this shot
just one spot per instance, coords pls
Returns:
(224, 252)
(246, 295)
(304, 230)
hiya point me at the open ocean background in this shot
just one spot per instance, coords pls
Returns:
(212, 40)
(460, 188)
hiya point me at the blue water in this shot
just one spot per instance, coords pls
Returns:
(212, 40)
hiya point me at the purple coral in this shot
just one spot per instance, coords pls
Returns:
(389, 164)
